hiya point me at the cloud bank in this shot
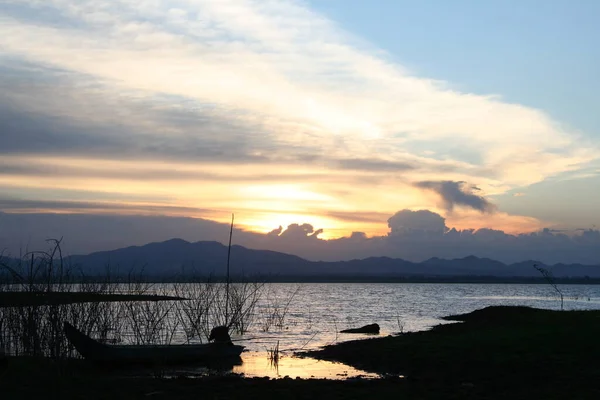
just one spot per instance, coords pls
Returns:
(412, 235)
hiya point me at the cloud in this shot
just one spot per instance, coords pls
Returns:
(362, 216)
(413, 235)
(458, 194)
(374, 165)
(202, 102)
(298, 232)
(512, 224)
(423, 221)
(20, 205)
(276, 232)
(134, 129)
(37, 167)
(257, 64)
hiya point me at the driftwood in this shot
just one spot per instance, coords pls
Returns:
(372, 328)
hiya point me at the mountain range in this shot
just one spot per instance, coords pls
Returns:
(177, 257)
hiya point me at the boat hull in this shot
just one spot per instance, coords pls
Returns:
(98, 352)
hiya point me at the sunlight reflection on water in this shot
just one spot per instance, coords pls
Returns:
(257, 364)
(319, 311)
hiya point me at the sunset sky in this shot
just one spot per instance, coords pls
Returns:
(336, 113)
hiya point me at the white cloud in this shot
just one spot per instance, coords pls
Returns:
(284, 77)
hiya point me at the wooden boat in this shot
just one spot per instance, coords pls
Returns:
(3, 361)
(95, 351)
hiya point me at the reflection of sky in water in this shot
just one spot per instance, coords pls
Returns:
(318, 311)
(257, 364)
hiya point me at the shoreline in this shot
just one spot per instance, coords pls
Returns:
(497, 347)
(494, 352)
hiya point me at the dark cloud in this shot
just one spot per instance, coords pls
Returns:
(62, 113)
(29, 133)
(155, 173)
(276, 232)
(407, 222)
(358, 236)
(458, 194)
(84, 233)
(8, 204)
(374, 165)
(40, 14)
(49, 111)
(193, 137)
(359, 216)
(414, 236)
(297, 231)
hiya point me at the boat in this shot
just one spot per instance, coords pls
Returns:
(3, 361)
(97, 352)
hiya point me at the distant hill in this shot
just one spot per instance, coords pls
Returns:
(179, 257)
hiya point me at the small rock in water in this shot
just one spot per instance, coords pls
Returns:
(372, 328)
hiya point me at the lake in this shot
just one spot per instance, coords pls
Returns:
(318, 311)
(290, 316)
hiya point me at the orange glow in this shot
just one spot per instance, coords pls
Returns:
(263, 198)
(512, 224)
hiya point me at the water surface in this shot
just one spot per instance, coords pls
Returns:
(318, 311)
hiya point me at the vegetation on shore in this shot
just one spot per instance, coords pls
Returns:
(40, 291)
(496, 350)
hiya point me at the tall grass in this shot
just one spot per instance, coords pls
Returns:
(206, 305)
(37, 329)
(275, 311)
(551, 281)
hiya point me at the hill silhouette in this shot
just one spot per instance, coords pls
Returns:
(177, 257)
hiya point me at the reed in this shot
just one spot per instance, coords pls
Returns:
(37, 329)
(275, 311)
(274, 355)
(550, 279)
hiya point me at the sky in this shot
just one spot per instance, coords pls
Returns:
(338, 114)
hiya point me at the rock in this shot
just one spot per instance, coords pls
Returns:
(372, 328)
